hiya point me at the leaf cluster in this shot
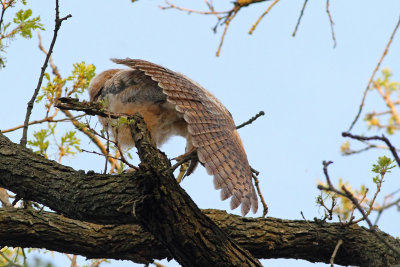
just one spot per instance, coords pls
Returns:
(343, 207)
(75, 84)
(390, 92)
(22, 25)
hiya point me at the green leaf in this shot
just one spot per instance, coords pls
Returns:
(40, 141)
(384, 164)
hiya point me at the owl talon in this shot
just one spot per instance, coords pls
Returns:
(188, 163)
(182, 172)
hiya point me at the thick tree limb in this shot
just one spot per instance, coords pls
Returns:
(263, 237)
(106, 199)
(151, 197)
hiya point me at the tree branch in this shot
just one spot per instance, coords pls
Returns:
(57, 26)
(162, 208)
(382, 138)
(109, 199)
(150, 197)
(373, 75)
(263, 237)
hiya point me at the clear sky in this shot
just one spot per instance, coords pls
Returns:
(309, 91)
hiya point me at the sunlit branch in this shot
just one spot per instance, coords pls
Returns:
(262, 16)
(373, 75)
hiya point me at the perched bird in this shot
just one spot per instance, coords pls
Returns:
(172, 104)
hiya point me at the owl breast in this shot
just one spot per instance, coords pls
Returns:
(161, 119)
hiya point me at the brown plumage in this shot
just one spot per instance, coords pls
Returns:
(172, 104)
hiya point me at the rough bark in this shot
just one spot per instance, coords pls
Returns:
(139, 198)
(151, 197)
(263, 237)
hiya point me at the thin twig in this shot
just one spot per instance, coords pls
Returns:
(232, 14)
(108, 152)
(265, 206)
(381, 138)
(332, 260)
(331, 23)
(325, 168)
(58, 22)
(110, 158)
(254, 171)
(386, 206)
(52, 65)
(251, 120)
(172, 6)
(351, 221)
(373, 75)
(48, 119)
(262, 16)
(98, 153)
(300, 17)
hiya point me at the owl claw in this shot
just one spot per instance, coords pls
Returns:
(188, 163)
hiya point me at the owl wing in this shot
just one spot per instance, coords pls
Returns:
(212, 131)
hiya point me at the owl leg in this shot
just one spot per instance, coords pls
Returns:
(191, 161)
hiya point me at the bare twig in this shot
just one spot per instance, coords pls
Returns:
(328, 211)
(364, 196)
(58, 22)
(211, 12)
(325, 168)
(331, 23)
(108, 152)
(254, 171)
(251, 120)
(373, 75)
(108, 157)
(262, 16)
(224, 17)
(229, 18)
(52, 65)
(381, 138)
(332, 260)
(256, 183)
(48, 119)
(299, 19)
(385, 207)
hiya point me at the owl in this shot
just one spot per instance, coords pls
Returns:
(172, 104)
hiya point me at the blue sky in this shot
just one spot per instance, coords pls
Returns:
(309, 91)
